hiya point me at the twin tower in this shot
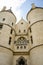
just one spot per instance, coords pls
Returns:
(21, 43)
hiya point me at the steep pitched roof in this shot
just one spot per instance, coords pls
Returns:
(21, 27)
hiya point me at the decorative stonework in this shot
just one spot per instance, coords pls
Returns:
(21, 53)
(21, 41)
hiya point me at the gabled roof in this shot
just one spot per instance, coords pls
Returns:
(21, 27)
(21, 21)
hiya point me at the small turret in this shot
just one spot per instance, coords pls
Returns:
(7, 20)
(35, 16)
(33, 5)
(4, 8)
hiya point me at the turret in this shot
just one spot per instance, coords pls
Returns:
(35, 16)
(7, 34)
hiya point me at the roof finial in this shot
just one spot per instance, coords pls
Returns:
(4, 8)
(33, 5)
(10, 8)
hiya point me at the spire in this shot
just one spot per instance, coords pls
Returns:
(10, 8)
(33, 5)
(4, 8)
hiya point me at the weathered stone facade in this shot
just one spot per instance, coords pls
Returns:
(21, 43)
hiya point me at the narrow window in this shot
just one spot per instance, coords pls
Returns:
(31, 40)
(11, 31)
(19, 31)
(9, 40)
(30, 30)
(17, 47)
(12, 23)
(29, 22)
(14, 42)
(24, 30)
(24, 47)
(3, 19)
(1, 25)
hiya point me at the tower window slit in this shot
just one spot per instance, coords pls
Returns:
(29, 22)
(3, 19)
(30, 30)
(12, 23)
(9, 40)
(31, 40)
(11, 31)
(1, 25)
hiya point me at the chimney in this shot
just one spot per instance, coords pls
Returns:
(33, 6)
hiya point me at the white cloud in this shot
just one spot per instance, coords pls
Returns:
(15, 4)
(18, 14)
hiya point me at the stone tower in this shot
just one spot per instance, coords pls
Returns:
(35, 17)
(7, 23)
(21, 43)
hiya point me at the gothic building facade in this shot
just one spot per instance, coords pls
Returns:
(21, 43)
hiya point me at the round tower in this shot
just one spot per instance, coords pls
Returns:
(7, 34)
(35, 16)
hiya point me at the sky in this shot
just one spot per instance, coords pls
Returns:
(20, 8)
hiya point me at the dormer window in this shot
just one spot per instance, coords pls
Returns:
(31, 39)
(10, 40)
(30, 30)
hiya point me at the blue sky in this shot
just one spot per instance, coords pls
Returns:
(27, 6)
(20, 7)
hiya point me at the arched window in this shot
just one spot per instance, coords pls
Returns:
(21, 61)
(21, 40)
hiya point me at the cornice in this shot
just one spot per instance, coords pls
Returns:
(21, 53)
(35, 47)
(6, 48)
(21, 34)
